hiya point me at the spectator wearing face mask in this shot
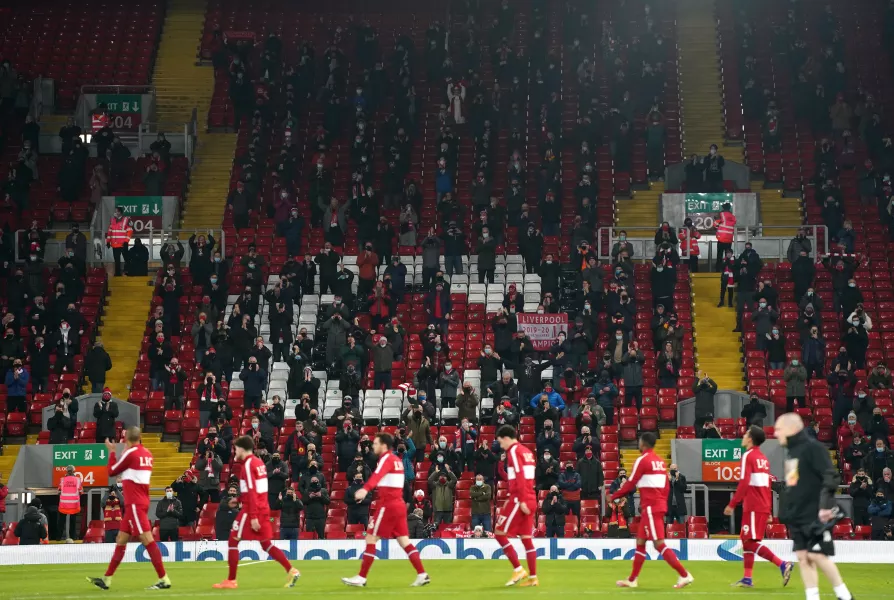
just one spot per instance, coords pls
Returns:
(632, 374)
(442, 483)
(862, 491)
(188, 494)
(226, 514)
(255, 380)
(383, 356)
(59, 426)
(877, 427)
(877, 461)
(570, 484)
(17, 379)
(112, 504)
(448, 383)
(482, 504)
(886, 484)
(358, 511)
(880, 510)
(775, 347)
(676, 499)
(316, 501)
(856, 340)
(290, 510)
(169, 513)
(754, 412)
(554, 508)
(880, 378)
(606, 391)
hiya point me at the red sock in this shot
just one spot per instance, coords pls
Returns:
(233, 558)
(748, 557)
(415, 559)
(508, 550)
(530, 555)
(276, 554)
(117, 557)
(638, 559)
(369, 555)
(670, 558)
(767, 554)
(155, 557)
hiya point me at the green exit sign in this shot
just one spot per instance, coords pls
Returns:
(121, 103)
(81, 455)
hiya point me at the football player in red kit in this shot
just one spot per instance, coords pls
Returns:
(134, 470)
(516, 517)
(755, 496)
(389, 519)
(650, 475)
(253, 521)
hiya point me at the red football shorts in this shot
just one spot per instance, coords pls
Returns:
(242, 528)
(754, 525)
(651, 525)
(389, 522)
(135, 520)
(513, 521)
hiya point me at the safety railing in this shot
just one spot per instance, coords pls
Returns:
(155, 240)
(54, 245)
(642, 239)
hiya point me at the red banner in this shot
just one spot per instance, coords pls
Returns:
(542, 330)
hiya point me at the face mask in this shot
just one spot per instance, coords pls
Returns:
(775, 332)
(794, 363)
(169, 495)
(255, 425)
(852, 285)
(479, 483)
(880, 450)
(851, 423)
(442, 445)
(763, 305)
(619, 337)
(440, 459)
(547, 456)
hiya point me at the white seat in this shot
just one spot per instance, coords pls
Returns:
(279, 391)
(280, 366)
(333, 397)
(459, 288)
(532, 299)
(487, 403)
(390, 413)
(372, 413)
(514, 259)
(279, 376)
(477, 288)
(449, 413)
(236, 383)
(477, 299)
(532, 278)
(493, 307)
(328, 411)
(349, 260)
(332, 384)
(327, 298)
(321, 375)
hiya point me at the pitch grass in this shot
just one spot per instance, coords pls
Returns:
(456, 580)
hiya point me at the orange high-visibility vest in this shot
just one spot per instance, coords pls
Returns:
(725, 227)
(119, 232)
(70, 495)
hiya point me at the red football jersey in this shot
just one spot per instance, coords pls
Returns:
(650, 476)
(754, 487)
(388, 478)
(253, 487)
(520, 473)
(134, 470)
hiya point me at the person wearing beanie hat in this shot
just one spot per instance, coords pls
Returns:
(106, 414)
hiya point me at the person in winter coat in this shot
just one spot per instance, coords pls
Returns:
(418, 426)
(554, 508)
(169, 512)
(676, 499)
(795, 377)
(592, 479)
(570, 484)
(442, 483)
(448, 383)
(416, 524)
(337, 329)
(703, 390)
(346, 442)
(30, 530)
(106, 414)
(96, 364)
(632, 374)
(467, 402)
(481, 495)
(552, 398)
(59, 426)
(316, 501)
(290, 510)
(358, 511)
(877, 461)
(209, 466)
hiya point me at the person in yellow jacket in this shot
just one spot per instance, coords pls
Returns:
(118, 237)
(70, 488)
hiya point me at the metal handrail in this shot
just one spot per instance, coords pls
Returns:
(646, 243)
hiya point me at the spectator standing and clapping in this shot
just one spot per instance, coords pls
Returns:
(169, 513)
(442, 483)
(676, 499)
(482, 503)
(554, 508)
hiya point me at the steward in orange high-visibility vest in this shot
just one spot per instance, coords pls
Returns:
(118, 237)
(726, 227)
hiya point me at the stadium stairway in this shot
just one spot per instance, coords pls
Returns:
(639, 211)
(662, 449)
(122, 328)
(717, 349)
(181, 85)
(779, 211)
(701, 103)
(8, 458)
(169, 463)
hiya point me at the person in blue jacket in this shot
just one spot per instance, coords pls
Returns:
(555, 400)
(406, 450)
(17, 387)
